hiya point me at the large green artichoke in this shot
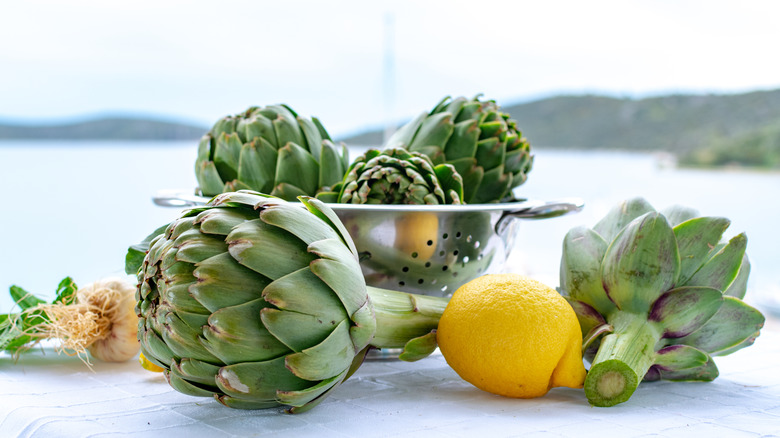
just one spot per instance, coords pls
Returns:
(271, 150)
(478, 139)
(396, 176)
(657, 295)
(262, 303)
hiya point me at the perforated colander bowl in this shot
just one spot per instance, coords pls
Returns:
(428, 249)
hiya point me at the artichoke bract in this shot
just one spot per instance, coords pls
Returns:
(657, 294)
(478, 139)
(270, 150)
(261, 303)
(397, 176)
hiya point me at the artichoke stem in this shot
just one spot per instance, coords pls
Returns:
(401, 316)
(623, 359)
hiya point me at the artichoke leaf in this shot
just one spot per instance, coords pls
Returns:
(209, 181)
(257, 165)
(286, 127)
(344, 278)
(695, 239)
(298, 331)
(297, 167)
(183, 340)
(738, 287)
(703, 373)
(491, 153)
(155, 349)
(680, 357)
(494, 181)
(463, 143)
(318, 208)
(300, 398)
(303, 292)
(198, 248)
(313, 139)
(681, 311)
(196, 371)
(222, 282)
(298, 222)
(184, 386)
(178, 297)
(267, 250)
(258, 381)
(733, 324)
(332, 167)
(434, 130)
(641, 263)
(221, 221)
(419, 347)
(677, 214)
(227, 152)
(580, 272)
(620, 216)
(234, 335)
(721, 270)
(258, 127)
(326, 359)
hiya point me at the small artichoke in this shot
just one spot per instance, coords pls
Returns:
(261, 303)
(271, 150)
(657, 295)
(396, 176)
(478, 139)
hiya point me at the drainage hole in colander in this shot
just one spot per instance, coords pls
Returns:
(445, 235)
(444, 288)
(468, 238)
(476, 244)
(455, 252)
(454, 274)
(430, 243)
(444, 268)
(405, 269)
(479, 257)
(441, 253)
(414, 255)
(420, 281)
(465, 260)
(427, 264)
(434, 281)
(457, 235)
(401, 283)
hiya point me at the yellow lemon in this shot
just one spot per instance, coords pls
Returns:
(513, 336)
(147, 365)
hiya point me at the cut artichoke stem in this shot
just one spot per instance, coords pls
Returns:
(623, 359)
(401, 317)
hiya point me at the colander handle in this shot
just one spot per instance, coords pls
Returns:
(177, 198)
(540, 210)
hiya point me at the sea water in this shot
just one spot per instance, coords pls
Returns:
(73, 208)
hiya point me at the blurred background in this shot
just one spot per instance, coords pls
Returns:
(102, 104)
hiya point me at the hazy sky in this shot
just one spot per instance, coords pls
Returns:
(198, 60)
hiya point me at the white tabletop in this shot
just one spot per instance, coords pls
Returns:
(45, 395)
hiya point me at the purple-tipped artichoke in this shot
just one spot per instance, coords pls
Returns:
(657, 295)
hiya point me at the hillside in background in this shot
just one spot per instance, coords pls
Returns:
(104, 129)
(699, 129)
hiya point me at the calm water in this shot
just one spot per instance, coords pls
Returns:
(72, 209)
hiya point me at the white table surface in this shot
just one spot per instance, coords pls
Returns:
(45, 395)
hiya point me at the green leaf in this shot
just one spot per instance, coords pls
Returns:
(703, 373)
(678, 214)
(434, 131)
(738, 287)
(136, 253)
(259, 381)
(463, 142)
(620, 216)
(296, 166)
(695, 239)
(680, 357)
(329, 358)
(314, 140)
(490, 153)
(721, 270)
(734, 323)
(267, 250)
(404, 136)
(332, 169)
(227, 152)
(580, 272)
(65, 291)
(223, 282)
(679, 312)
(641, 263)
(419, 347)
(25, 300)
(257, 165)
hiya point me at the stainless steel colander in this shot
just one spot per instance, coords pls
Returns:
(427, 249)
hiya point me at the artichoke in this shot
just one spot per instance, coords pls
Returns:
(271, 150)
(481, 142)
(657, 295)
(396, 176)
(262, 303)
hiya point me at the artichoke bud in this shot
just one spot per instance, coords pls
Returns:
(656, 296)
(397, 176)
(271, 150)
(261, 303)
(478, 139)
